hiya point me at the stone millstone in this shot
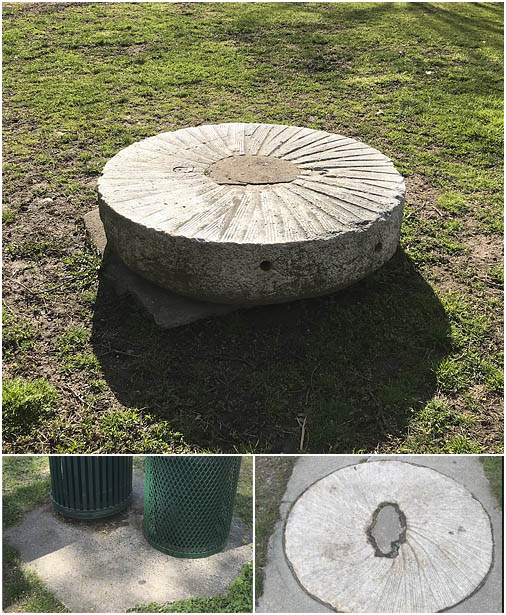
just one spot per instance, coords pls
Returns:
(251, 213)
(436, 554)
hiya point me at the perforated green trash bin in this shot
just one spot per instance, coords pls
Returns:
(85, 487)
(188, 503)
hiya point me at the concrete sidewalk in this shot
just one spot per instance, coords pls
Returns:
(282, 592)
(108, 566)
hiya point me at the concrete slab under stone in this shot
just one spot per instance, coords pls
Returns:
(283, 593)
(251, 213)
(107, 565)
(167, 308)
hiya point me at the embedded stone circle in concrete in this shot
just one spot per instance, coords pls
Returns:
(443, 553)
(251, 213)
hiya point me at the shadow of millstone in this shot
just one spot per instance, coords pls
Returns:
(106, 565)
(355, 364)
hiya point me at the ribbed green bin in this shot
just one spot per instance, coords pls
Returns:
(86, 487)
(188, 503)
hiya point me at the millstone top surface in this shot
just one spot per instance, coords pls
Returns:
(443, 553)
(251, 183)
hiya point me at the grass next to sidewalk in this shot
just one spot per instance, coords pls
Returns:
(239, 599)
(25, 485)
(271, 477)
(494, 470)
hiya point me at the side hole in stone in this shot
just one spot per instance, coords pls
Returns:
(266, 265)
(378, 246)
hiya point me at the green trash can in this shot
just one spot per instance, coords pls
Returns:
(188, 503)
(84, 487)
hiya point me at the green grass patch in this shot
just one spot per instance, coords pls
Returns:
(75, 356)
(239, 599)
(24, 404)
(497, 273)
(23, 590)
(25, 484)
(271, 477)
(83, 270)
(243, 507)
(9, 216)
(493, 467)
(452, 202)
(18, 333)
(35, 249)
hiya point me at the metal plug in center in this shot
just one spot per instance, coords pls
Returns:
(388, 530)
(248, 169)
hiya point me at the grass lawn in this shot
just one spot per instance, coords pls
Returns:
(494, 470)
(408, 360)
(26, 484)
(238, 600)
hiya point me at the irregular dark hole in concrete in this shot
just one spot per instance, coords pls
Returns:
(378, 246)
(387, 530)
(266, 265)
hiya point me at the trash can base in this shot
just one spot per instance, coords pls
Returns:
(90, 514)
(177, 552)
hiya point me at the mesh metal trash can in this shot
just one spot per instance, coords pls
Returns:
(188, 503)
(90, 487)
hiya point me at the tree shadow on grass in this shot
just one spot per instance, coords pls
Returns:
(484, 17)
(352, 366)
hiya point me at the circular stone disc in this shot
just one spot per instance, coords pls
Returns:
(251, 213)
(443, 555)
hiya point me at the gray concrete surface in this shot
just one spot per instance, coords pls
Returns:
(282, 592)
(328, 213)
(107, 566)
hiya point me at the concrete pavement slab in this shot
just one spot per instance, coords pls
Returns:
(108, 566)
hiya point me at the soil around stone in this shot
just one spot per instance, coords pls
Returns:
(108, 566)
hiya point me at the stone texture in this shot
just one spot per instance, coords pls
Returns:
(107, 566)
(327, 214)
(168, 309)
(283, 594)
(445, 556)
(95, 230)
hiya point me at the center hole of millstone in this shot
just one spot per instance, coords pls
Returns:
(249, 169)
(388, 530)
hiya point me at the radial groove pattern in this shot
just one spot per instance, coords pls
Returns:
(139, 181)
(446, 554)
(161, 192)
